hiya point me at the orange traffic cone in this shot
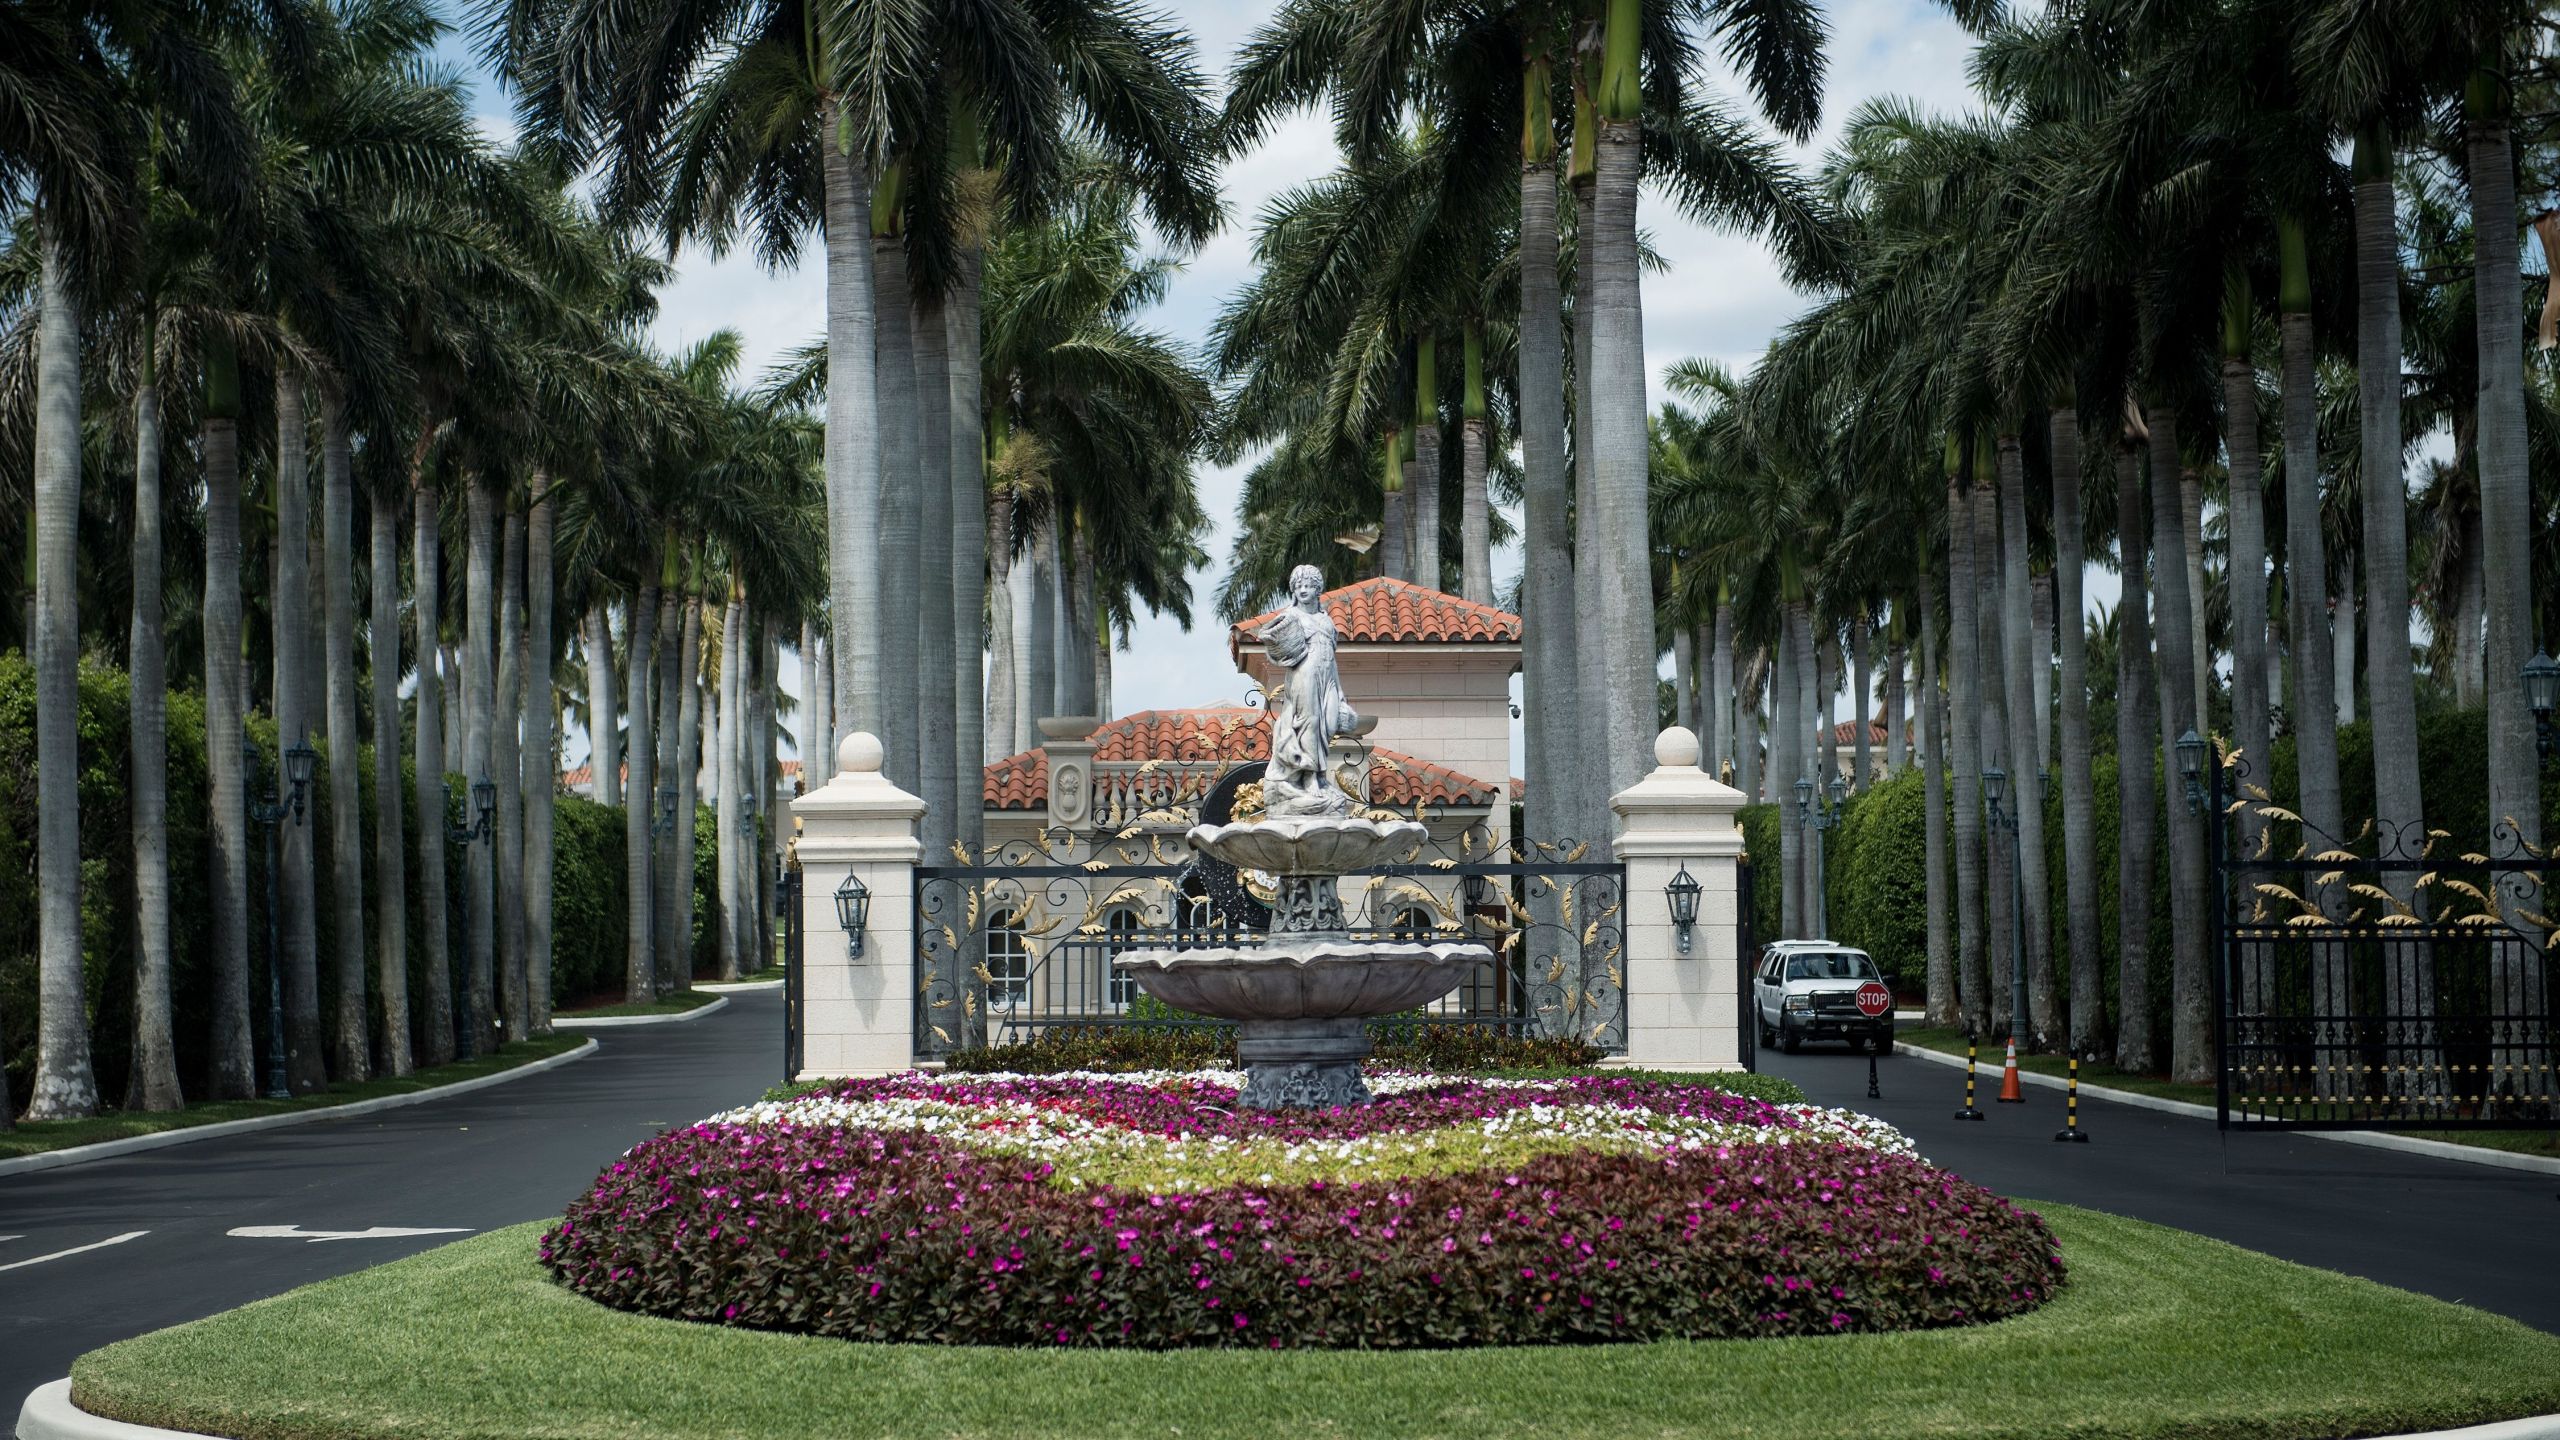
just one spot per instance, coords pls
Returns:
(2010, 1094)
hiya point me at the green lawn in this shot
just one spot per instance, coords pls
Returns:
(30, 1138)
(2159, 1334)
(2099, 1072)
(675, 1004)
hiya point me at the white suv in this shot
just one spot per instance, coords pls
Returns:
(1808, 990)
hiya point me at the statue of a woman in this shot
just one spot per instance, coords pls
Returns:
(1309, 709)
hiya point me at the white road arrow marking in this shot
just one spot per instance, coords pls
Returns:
(76, 1249)
(378, 1232)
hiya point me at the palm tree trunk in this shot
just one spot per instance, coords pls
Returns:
(541, 760)
(2001, 902)
(2191, 542)
(1746, 715)
(1035, 635)
(2306, 591)
(1964, 721)
(1475, 516)
(675, 967)
(234, 1060)
(1720, 710)
(1897, 660)
(1002, 660)
(2399, 792)
(604, 723)
(901, 507)
(390, 861)
(1620, 454)
(457, 750)
(640, 956)
(1822, 679)
(154, 1084)
(1941, 996)
(1590, 673)
(938, 697)
(1546, 577)
(2047, 1023)
(289, 613)
(688, 778)
(1784, 770)
(2040, 640)
(1422, 477)
(969, 550)
(2506, 526)
(506, 769)
(351, 1055)
(65, 1084)
(733, 656)
(479, 714)
(2137, 718)
(1862, 741)
(818, 745)
(1102, 645)
(435, 1033)
(1083, 614)
(2079, 786)
(2342, 645)
(1817, 658)
(854, 542)
(1684, 678)
(2247, 581)
(1394, 535)
(767, 758)
(2190, 1001)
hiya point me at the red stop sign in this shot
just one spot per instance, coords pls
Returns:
(1874, 999)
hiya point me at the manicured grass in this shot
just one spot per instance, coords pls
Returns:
(675, 1004)
(2099, 1072)
(2158, 1334)
(29, 1139)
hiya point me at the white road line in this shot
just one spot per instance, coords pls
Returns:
(76, 1249)
(296, 1232)
(12, 1237)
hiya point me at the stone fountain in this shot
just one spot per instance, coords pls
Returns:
(1303, 999)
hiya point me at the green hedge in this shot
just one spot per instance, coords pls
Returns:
(587, 889)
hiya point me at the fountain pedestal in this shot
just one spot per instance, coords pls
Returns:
(1302, 1000)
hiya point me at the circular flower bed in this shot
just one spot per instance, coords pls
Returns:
(1144, 1210)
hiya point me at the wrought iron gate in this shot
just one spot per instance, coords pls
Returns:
(786, 901)
(1022, 942)
(2395, 981)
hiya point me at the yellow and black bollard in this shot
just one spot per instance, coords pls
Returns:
(1968, 1112)
(2071, 1109)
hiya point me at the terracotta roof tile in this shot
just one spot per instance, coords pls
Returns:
(1381, 611)
(1233, 734)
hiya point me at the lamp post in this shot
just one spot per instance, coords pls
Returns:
(475, 827)
(853, 911)
(1995, 787)
(266, 813)
(664, 823)
(2542, 694)
(2191, 767)
(1812, 859)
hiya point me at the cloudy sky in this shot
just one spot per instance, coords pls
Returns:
(1722, 299)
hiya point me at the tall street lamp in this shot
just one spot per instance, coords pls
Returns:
(1809, 827)
(475, 827)
(1995, 787)
(266, 813)
(2542, 694)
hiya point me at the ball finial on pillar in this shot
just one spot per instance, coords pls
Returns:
(1677, 746)
(859, 753)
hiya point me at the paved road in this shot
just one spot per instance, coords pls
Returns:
(493, 1157)
(2471, 1233)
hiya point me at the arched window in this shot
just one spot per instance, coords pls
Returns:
(1413, 923)
(1008, 965)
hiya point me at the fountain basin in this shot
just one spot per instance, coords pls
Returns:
(1308, 845)
(1306, 980)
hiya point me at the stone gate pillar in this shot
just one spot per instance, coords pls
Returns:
(859, 1014)
(1681, 1008)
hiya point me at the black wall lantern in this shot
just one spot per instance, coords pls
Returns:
(2191, 765)
(853, 911)
(1682, 892)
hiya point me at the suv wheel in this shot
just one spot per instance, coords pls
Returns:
(1787, 1037)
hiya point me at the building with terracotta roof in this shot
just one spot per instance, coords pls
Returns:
(1432, 671)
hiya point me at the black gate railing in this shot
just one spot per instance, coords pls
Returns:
(1023, 943)
(1746, 954)
(2397, 981)
(786, 900)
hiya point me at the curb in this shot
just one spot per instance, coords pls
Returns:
(2370, 1139)
(50, 1415)
(187, 1135)
(681, 1017)
(734, 987)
